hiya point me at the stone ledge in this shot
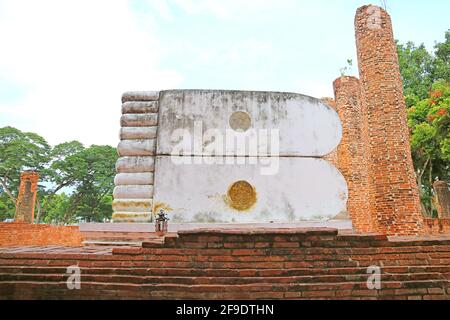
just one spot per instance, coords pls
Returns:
(261, 231)
(137, 96)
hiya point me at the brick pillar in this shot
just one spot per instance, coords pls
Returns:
(392, 177)
(27, 197)
(333, 156)
(442, 199)
(352, 153)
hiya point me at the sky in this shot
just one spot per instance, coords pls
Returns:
(65, 64)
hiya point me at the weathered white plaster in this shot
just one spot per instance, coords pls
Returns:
(133, 192)
(140, 107)
(138, 133)
(135, 164)
(139, 120)
(137, 148)
(307, 127)
(131, 217)
(132, 205)
(123, 179)
(140, 96)
(302, 190)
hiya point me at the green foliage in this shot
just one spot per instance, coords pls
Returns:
(56, 209)
(76, 182)
(7, 207)
(348, 68)
(426, 78)
(442, 60)
(93, 183)
(416, 69)
(429, 121)
(19, 151)
(420, 69)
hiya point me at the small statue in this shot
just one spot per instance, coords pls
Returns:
(161, 224)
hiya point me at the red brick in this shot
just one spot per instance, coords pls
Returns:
(393, 194)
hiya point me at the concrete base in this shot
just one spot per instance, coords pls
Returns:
(175, 227)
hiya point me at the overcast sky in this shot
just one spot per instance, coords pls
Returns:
(65, 64)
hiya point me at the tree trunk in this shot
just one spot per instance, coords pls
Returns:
(420, 174)
(431, 187)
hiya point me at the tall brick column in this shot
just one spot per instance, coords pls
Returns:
(27, 197)
(392, 178)
(352, 154)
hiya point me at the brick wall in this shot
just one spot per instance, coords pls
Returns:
(392, 180)
(437, 226)
(237, 264)
(13, 234)
(352, 155)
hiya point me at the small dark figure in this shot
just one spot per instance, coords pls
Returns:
(161, 225)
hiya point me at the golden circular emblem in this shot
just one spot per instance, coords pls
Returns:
(240, 121)
(241, 195)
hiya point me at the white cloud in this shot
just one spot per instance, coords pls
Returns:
(233, 54)
(230, 9)
(313, 87)
(161, 8)
(76, 58)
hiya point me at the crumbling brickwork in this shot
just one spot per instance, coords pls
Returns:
(437, 226)
(236, 265)
(333, 156)
(27, 197)
(442, 199)
(352, 155)
(392, 178)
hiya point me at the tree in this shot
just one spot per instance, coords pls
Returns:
(76, 182)
(429, 120)
(56, 207)
(89, 175)
(7, 207)
(420, 69)
(426, 78)
(441, 68)
(416, 65)
(93, 196)
(63, 172)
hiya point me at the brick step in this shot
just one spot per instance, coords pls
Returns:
(112, 242)
(397, 252)
(245, 255)
(233, 264)
(211, 262)
(175, 272)
(120, 239)
(354, 290)
(144, 236)
(205, 280)
(326, 238)
(380, 246)
(184, 264)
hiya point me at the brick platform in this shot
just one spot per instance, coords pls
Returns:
(235, 264)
